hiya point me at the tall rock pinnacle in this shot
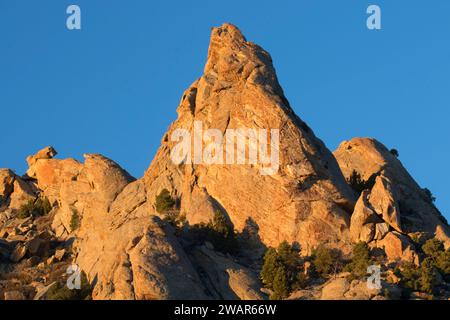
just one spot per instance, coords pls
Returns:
(306, 200)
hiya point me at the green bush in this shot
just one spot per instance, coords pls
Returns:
(219, 232)
(421, 278)
(427, 276)
(326, 261)
(74, 220)
(424, 278)
(176, 219)
(60, 291)
(360, 260)
(443, 264)
(35, 208)
(221, 225)
(282, 271)
(394, 152)
(164, 201)
(429, 196)
(358, 184)
(434, 249)
(409, 275)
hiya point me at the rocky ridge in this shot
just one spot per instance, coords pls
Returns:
(108, 224)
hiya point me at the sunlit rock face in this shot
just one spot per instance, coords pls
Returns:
(306, 200)
(395, 196)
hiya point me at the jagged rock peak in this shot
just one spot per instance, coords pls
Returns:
(306, 199)
(227, 34)
(235, 62)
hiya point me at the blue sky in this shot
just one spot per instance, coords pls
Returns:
(113, 87)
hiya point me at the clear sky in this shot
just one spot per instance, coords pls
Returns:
(113, 87)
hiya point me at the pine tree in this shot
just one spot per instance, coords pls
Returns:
(325, 260)
(270, 267)
(360, 260)
(280, 284)
(427, 276)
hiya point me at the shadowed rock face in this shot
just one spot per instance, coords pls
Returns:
(396, 197)
(304, 201)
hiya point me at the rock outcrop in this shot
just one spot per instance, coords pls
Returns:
(14, 191)
(365, 224)
(141, 260)
(128, 254)
(306, 199)
(105, 221)
(224, 278)
(395, 197)
(398, 247)
(123, 250)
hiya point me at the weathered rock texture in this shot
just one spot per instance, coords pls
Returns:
(128, 252)
(14, 191)
(225, 279)
(306, 201)
(395, 201)
(125, 252)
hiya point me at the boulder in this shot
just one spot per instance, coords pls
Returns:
(23, 193)
(335, 289)
(383, 201)
(139, 259)
(381, 229)
(46, 153)
(42, 290)
(38, 245)
(59, 254)
(224, 278)
(341, 288)
(14, 191)
(360, 291)
(18, 253)
(50, 260)
(364, 220)
(305, 295)
(7, 178)
(398, 247)
(404, 205)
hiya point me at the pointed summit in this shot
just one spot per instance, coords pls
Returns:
(227, 34)
(234, 62)
(306, 200)
(225, 45)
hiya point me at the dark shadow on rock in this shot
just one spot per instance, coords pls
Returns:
(252, 248)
